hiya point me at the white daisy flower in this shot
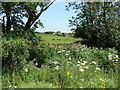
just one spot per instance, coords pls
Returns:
(78, 61)
(26, 70)
(116, 56)
(86, 67)
(94, 62)
(68, 51)
(10, 86)
(82, 63)
(98, 69)
(63, 50)
(66, 54)
(59, 51)
(55, 62)
(85, 62)
(15, 86)
(110, 56)
(81, 70)
(78, 64)
(57, 68)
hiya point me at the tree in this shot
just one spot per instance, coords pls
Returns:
(96, 21)
(14, 12)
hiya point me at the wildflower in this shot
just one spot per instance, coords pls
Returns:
(86, 67)
(103, 87)
(68, 51)
(69, 58)
(66, 54)
(102, 80)
(82, 63)
(69, 74)
(10, 86)
(78, 64)
(57, 68)
(78, 61)
(63, 50)
(103, 83)
(82, 79)
(81, 70)
(94, 62)
(116, 56)
(110, 56)
(68, 62)
(59, 51)
(98, 69)
(55, 62)
(26, 70)
(81, 87)
(15, 86)
(85, 62)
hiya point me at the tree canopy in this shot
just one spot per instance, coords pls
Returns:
(14, 12)
(96, 21)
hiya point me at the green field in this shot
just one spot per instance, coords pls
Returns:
(55, 39)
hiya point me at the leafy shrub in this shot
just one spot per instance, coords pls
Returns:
(39, 54)
(14, 53)
(28, 35)
(118, 43)
(18, 48)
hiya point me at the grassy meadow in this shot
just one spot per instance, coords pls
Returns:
(84, 53)
(55, 39)
(68, 66)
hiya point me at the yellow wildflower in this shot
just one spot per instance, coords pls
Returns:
(69, 74)
(102, 80)
(103, 87)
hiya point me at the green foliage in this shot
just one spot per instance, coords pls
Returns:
(55, 39)
(39, 53)
(14, 53)
(27, 35)
(70, 66)
(98, 22)
(16, 11)
(118, 43)
(20, 47)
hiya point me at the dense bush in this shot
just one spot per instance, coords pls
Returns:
(97, 22)
(118, 43)
(39, 54)
(18, 49)
(28, 35)
(14, 53)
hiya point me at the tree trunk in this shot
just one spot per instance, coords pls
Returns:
(32, 18)
(8, 23)
(3, 24)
